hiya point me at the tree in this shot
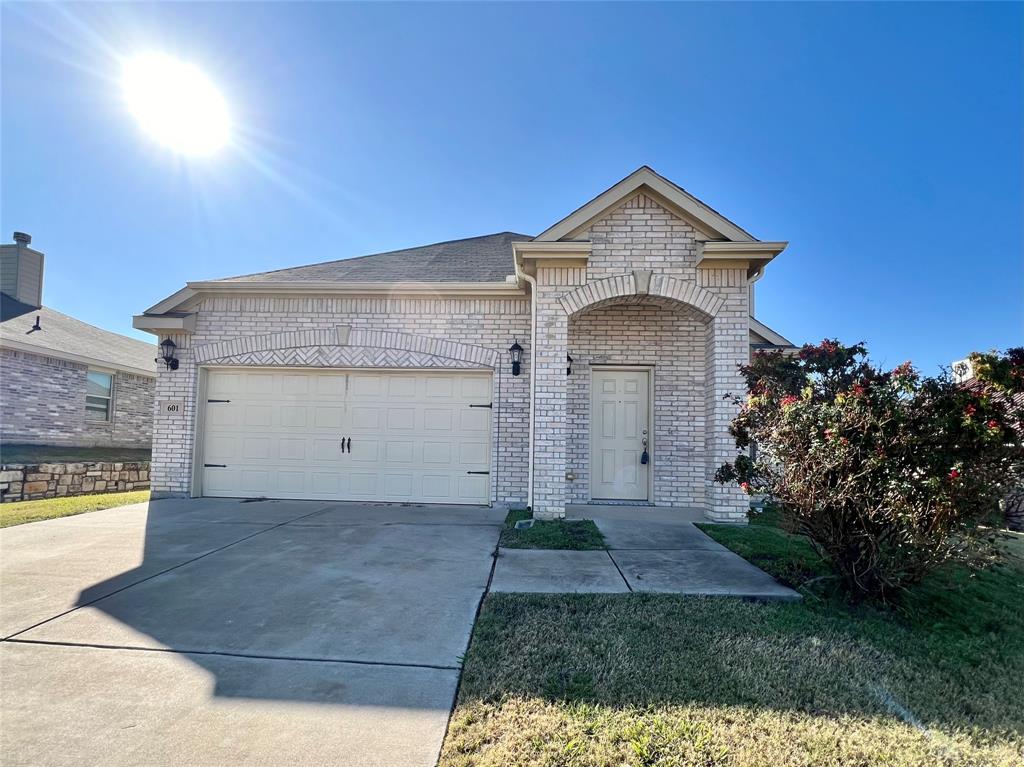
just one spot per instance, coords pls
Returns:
(888, 473)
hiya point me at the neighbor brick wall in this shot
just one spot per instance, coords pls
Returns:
(488, 323)
(42, 402)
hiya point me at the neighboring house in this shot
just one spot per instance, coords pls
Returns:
(62, 381)
(391, 377)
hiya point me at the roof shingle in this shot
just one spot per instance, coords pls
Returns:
(62, 335)
(475, 259)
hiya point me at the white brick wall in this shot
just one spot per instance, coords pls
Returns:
(640, 300)
(670, 338)
(410, 332)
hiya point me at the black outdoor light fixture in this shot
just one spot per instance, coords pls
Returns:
(167, 347)
(515, 353)
(568, 364)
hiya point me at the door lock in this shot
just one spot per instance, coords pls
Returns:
(645, 457)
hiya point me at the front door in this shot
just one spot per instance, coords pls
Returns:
(619, 415)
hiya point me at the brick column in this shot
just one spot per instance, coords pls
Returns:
(727, 348)
(550, 403)
(174, 433)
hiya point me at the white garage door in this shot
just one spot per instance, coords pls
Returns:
(376, 436)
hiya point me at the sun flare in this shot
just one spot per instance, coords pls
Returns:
(175, 103)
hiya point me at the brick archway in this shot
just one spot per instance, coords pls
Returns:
(640, 283)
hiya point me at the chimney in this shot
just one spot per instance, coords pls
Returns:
(21, 271)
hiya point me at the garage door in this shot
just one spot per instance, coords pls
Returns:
(366, 436)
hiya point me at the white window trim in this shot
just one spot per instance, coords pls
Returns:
(110, 399)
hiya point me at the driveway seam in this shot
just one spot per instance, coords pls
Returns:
(472, 629)
(619, 569)
(173, 651)
(9, 637)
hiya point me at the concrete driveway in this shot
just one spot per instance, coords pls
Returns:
(219, 632)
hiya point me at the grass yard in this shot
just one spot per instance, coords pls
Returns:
(20, 512)
(579, 535)
(57, 454)
(664, 680)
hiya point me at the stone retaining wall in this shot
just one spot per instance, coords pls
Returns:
(28, 482)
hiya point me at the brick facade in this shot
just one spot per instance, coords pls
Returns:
(639, 300)
(379, 332)
(42, 402)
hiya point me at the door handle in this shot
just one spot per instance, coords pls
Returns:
(350, 444)
(645, 457)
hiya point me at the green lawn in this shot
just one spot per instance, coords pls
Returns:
(20, 512)
(580, 535)
(664, 680)
(55, 454)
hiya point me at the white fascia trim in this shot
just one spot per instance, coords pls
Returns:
(561, 249)
(632, 183)
(81, 359)
(744, 249)
(364, 288)
(172, 302)
(768, 334)
(756, 255)
(162, 324)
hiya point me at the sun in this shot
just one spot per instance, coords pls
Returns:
(175, 103)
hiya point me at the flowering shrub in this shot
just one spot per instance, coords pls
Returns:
(889, 474)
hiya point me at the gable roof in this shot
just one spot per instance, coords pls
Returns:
(702, 216)
(473, 259)
(65, 337)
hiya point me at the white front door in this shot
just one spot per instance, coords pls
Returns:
(619, 424)
(421, 437)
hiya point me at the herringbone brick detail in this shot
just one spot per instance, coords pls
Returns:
(343, 357)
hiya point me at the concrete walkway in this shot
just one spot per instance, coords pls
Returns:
(215, 632)
(649, 550)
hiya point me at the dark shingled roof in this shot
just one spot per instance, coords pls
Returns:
(475, 259)
(61, 334)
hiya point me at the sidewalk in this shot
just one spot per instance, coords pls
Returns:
(649, 550)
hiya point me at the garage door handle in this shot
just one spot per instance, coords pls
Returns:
(478, 472)
(349, 444)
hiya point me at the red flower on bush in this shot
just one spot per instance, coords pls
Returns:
(904, 370)
(954, 474)
(993, 424)
(858, 390)
(745, 487)
(970, 410)
(789, 399)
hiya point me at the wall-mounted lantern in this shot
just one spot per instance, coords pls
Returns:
(568, 365)
(515, 353)
(167, 347)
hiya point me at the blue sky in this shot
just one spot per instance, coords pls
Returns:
(883, 141)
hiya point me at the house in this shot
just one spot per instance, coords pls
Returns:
(64, 382)
(589, 363)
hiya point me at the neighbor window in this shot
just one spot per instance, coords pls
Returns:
(99, 391)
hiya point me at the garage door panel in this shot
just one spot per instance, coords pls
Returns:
(475, 420)
(399, 451)
(328, 417)
(413, 436)
(437, 452)
(257, 415)
(437, 419)
(401, 419)
(293, 416)
(260, 383)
